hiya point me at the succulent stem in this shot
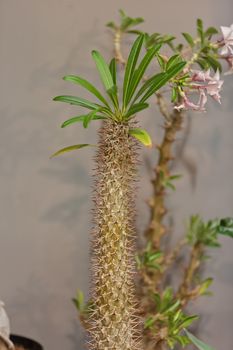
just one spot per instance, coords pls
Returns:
(113, 321)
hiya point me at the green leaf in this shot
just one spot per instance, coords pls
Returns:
(84, 83)
(197, 342)
(130, 66)
(149, 322)
(113, 69)
(214, 63)
(160, 81)
(226, 227)
(77, 101)
(142, 136)
(189, 39)
(211, 31)
(172, 61)
(139, 72)
(188, 321)
(88, 118)
(147, 85)
(80, 118)
(103, 69)
(136, 108)
(111, 25)
(200, 30)
(161, 61)
(69, 148)
(79, 301)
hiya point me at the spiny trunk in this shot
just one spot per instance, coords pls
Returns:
(114, 322)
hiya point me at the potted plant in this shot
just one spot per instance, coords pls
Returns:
(119, 300)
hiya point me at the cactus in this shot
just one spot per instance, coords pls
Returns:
(112, 319)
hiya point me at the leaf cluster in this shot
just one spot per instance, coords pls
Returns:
(126, 23)
(149, 258)
(207, 233)
(170, 318)
(135, 92)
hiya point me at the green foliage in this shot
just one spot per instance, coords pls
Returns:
(149, 258)
(189, 39)
(84, 308)
(133, 76)
(169, 317)
(126, 23)
(197, 342)
(167, 181)
(225, 227)
(69, 149)
(158, 39)
(82, 118)
(207, 233)
(142, 136)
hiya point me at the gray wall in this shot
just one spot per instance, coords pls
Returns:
(44, 207)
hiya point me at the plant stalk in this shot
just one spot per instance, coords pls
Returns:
(114, 321)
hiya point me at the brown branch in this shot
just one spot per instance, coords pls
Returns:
(186, 290)
(117, 47)
(156, 228)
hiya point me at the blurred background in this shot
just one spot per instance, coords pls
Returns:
(45, 204)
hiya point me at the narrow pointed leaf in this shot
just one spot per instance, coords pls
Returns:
(113, 70)
(162, 80)
(147, 84)
(80, 118)
(103, 69)
(88, 118)
(139, 72)
(130, 66)
(84, 83)
(73, 100)
(142, 136)
(189, 39)
(136, 108)
(172, 61)
(197, 342)
(69, 149)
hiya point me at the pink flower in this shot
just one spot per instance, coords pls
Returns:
(211, 85)
(230, 63)
(189, 105)
(227, 33)
(205, 85)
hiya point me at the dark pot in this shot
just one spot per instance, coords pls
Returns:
(26, 343)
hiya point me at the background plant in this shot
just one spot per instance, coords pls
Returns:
(205, 54)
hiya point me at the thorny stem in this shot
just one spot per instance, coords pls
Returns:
(185, 292)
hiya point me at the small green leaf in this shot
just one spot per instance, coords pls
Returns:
(84, 83)
(111, 25)
(80, 118)
(142, 136)
(136, 108)
(103, 69)
(197, 342)
(77, 101)
(149, 322)
(210, 31)
(130, 66)
(88, 118)
(200, 30)
(172, 61)
(214, 63)
(189, 39)
(79, 301)
(226, 227)
(69, 148)
(161, 61)
(188, 321)
(113, 69)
